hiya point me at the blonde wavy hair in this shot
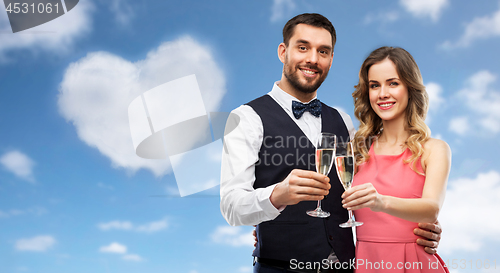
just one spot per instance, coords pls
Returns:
(418, 102)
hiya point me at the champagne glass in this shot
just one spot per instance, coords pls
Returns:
(344, 162)
(325, 154)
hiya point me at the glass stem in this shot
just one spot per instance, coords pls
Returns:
(351, 216)
(319, 205)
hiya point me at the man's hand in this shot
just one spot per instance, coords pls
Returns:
(300, 185)
(432, 236)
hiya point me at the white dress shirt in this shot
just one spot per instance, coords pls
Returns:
(241, 204)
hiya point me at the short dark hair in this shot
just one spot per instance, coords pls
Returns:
(311, 19)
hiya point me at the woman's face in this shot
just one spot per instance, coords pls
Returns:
(388, 94)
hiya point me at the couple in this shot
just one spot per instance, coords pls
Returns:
(400, 181)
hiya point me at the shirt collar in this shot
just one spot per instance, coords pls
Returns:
(283, 98)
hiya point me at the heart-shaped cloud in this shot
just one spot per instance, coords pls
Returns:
(96, 91)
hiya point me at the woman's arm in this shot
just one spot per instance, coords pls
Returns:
(437, 162)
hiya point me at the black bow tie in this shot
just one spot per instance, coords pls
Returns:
(314, 107)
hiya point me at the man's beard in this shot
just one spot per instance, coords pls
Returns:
(309, 87)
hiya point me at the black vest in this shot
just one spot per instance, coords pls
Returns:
(294, 234)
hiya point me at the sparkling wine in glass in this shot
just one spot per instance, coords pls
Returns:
(325, 154)
(344, 163)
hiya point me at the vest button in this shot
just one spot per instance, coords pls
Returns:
(331, 237)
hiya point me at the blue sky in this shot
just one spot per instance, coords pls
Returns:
(74, 197)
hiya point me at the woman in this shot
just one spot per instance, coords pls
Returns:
(402, 172)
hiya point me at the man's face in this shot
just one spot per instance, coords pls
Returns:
(307, 58)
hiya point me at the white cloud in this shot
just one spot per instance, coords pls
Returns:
(19, 164)
(469, 214)
(133, 258)
(213, 154)
(282, 9)
(38, 211)
(114, 248)
(434, 90)
(436, 101)
(153, 226)
(383, 16)
(37, 244)
(459, 125)
(245, 269)
(123, 225)
(118, 248)
(418, 8)
(479, 28)
(233, 236)
(123, 12)
(96, 91)
(172, 190)
(438, 136)
(483, 102)
(425, 8)
(57, 36)
(16, 212)
(105, 186)
(127, 225)
(340, 108)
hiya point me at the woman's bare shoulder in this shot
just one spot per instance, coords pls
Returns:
(436, 148)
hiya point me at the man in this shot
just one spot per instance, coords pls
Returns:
(268, 171)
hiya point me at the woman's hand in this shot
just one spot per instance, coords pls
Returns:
(363, 196)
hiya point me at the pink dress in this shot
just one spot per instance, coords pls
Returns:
(386, 243)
